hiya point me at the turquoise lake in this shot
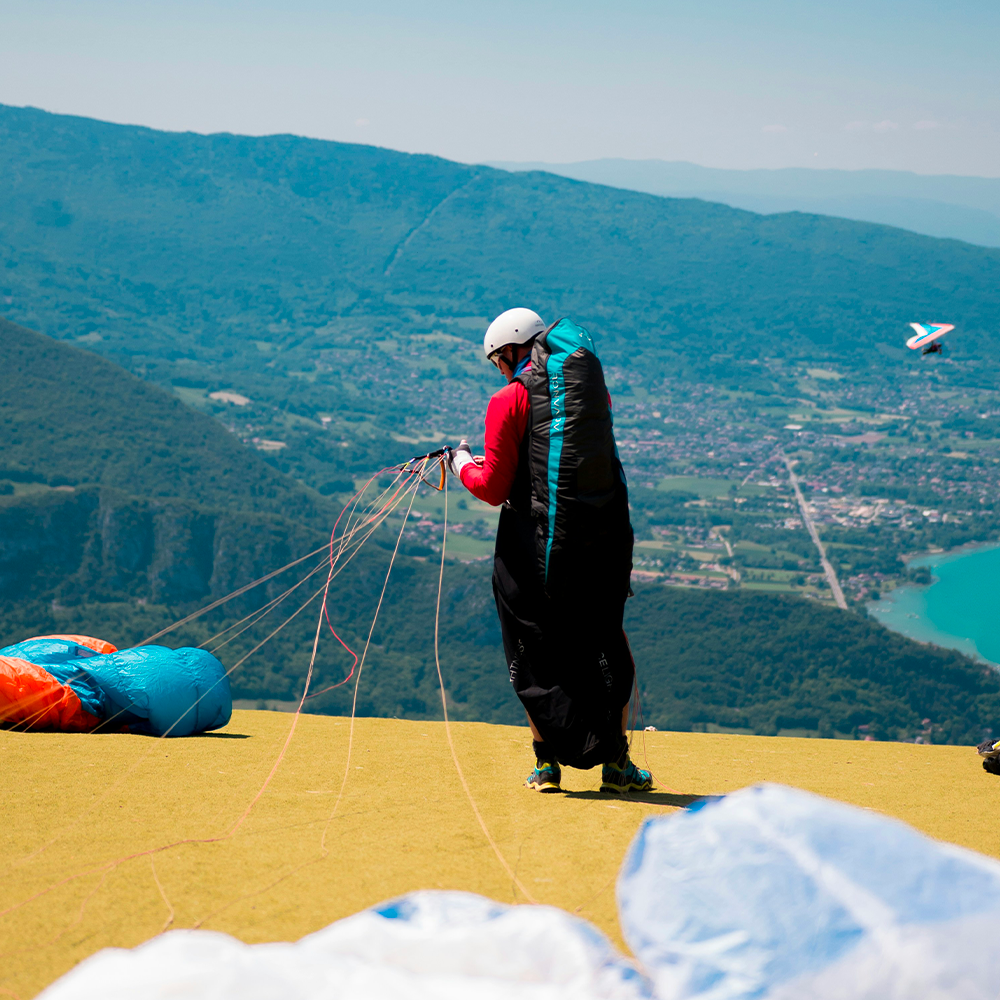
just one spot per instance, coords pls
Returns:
(959, 610)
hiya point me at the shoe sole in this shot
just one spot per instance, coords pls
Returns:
(623, 789)
(544, 786)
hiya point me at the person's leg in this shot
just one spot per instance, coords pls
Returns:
(520, 605)
(622, 775)
(535, 734)
(547, 774)
(517, 638)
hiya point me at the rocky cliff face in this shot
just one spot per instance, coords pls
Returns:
(104, 544)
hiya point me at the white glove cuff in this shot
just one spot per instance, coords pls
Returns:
(459, 460)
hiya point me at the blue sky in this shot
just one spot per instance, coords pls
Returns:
(909, 85)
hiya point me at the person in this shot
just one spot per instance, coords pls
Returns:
(567, 652)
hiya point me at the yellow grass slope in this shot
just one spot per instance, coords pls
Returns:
(109, 839)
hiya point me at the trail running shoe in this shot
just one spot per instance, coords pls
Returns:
(545, 777)
(989, 750)
(625, 779)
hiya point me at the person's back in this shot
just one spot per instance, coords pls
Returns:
(564, 546)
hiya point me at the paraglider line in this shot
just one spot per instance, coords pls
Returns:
(260, 614)
(256, 583)
(645, 757)
(361, 666)
(326, 611)
(364, 521)
(229, 597)
(636, 711)
(447, 725)
(265, 609)
(163, 896)
(109, 866)
(23, 725)
(600, 892)
(106, 870)
(315, 648)
(349, 650)
(324, 851)
(291, 730)
(322, 590)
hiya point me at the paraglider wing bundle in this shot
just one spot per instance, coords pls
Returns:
(578, 494)
(78, 683)
(561, 603)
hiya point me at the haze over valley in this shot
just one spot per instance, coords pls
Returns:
(950, 206)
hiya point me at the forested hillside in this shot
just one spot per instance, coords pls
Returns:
(956, 207)
(70, 418)
(767, 663)
(115, 554)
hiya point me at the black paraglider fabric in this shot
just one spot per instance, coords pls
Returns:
(563, 563)
(571, 426)
(568, 656)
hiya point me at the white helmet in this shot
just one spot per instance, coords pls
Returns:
(515, 326)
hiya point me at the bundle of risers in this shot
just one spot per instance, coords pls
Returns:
(76, 683)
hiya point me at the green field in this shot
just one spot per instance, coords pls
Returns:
(710, 489)
(465, 549)
(769, 586)
(751, 549)
(462, 506)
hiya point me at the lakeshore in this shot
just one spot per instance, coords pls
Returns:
(959, 609)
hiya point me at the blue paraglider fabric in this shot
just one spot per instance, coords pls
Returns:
(151, 689)
(775, 892)
(429, 945)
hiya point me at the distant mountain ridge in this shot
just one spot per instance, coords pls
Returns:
(183, 251)
(945, 206)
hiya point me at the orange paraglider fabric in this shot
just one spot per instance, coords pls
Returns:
(97, 645)
(32, 697)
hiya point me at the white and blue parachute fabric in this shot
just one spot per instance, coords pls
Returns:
(779, 894)
(428, 945)
(927, 333)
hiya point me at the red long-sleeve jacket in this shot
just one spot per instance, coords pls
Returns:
(506, 424)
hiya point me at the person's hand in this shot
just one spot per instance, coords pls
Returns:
(460, 457)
